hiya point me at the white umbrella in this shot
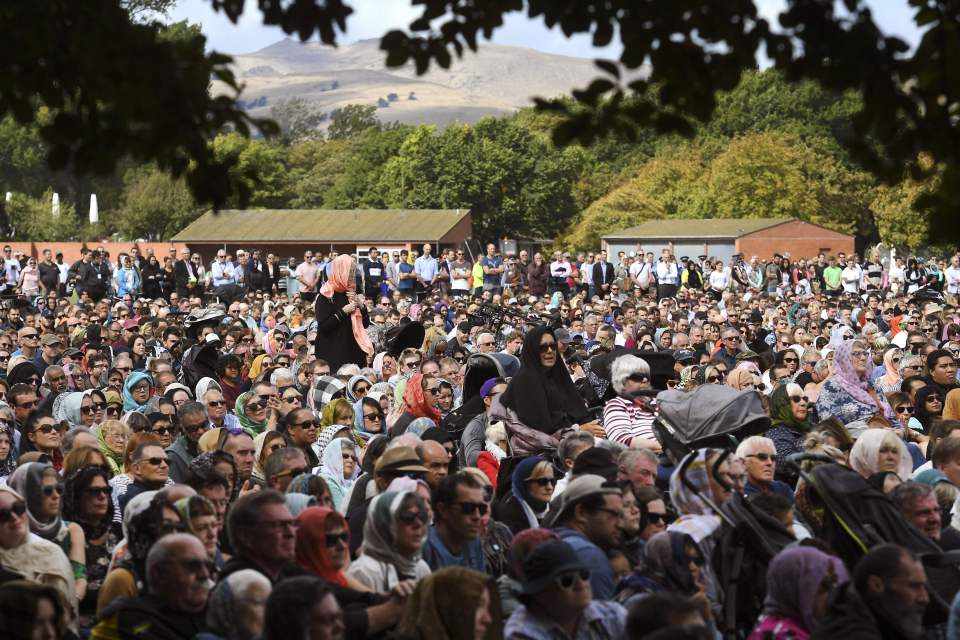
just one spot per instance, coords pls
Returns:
(56, 205)
(94, 212)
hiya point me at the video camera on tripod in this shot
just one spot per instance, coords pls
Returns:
(492, 317)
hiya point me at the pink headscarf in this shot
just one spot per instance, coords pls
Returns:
(845, 374)
(340, 281)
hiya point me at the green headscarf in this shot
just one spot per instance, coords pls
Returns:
(255, 428)
(114, 459)
(330, 410)
(781, 411)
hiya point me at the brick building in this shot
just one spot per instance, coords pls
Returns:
(722, 238)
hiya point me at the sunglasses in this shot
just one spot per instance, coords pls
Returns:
(49, 489)
(542, 481)
(295, 398)
(99, 491)
(306, 424)
(672, 384)
(934, 398)
(155, 461)
(333, 539)
(656, 518)
(468, 508)
(568, 580)
(216, 403)
(18, 508)
(293, 473)
(47, 429)
(114, 410)
(800, 398)
(361, 389)
(763, 457)
(255, 406)
(374, 417)
(714, 379)
(162, 431)
(409, 517)
(905, 409)
(639, 377)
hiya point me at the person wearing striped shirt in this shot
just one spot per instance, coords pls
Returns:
(628, 418)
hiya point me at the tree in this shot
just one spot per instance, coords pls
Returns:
(256, 165)
(33, 219)
(351, 120)
(297, 119)
(155, 206)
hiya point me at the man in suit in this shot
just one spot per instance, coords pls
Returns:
(184, 274)
(603, 276)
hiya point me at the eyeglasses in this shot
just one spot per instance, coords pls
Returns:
(18, 508)
(904, 408)
(333, 539)
(468, 508)
(548, 346)
(672, 384)
(568, 580)
(93, 492)
(542, 481)
(762, 457)
(49, 489)
(27, 405)
(859, 354)
(156, 461)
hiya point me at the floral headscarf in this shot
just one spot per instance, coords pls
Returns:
(416, 403)
(75, 487)
(255, 428)
(129, 404)
(66, 407)
(114, 459)
(846, 377)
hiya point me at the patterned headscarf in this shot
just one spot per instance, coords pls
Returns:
(254, 427)
(697, 517)
(845, 374)
(325, 390)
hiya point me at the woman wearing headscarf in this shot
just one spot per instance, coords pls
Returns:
(419, 401)
(75, 408)
(8, 452)
(200, 518)
(788, 415)
(319, 527)
(744, 379)
(368, 417)
(136, 392)
(29, 555)
(420, 426)
(800, 581)
(848, 396)
(341, 322)
(253, 414)
(112, 440)
(526, 504)
(891, 378)
(265, 444)
(257, 366)
(353, 394)
(204, 385)
(542, 396)
(453, 604)
(236, 607)
(25, 373)
(393, 536)
(881, 450)
(86, 502)
(325, 390)
(671, 561)
(339, 467)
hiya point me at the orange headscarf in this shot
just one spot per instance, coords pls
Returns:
(311, 548)
(341, 280)
(415, 401)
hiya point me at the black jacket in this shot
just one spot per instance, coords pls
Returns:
(146, 617)
(335, 342)
(599, 277)
(850, 618)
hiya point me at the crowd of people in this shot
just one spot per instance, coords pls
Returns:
(428, 447)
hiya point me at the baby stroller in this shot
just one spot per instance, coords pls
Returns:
(712, 415)
(853, 517)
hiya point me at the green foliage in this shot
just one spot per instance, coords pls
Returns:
(155, 206)
(256, 165)
(297, 119)
(351, 120)
(33, 219)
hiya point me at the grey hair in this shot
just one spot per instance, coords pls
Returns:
(907, 493)
(753, 443)
(822, 366)
(51, 369)
(348, 369)
(574, 441)
(629, 458)
(611, 445)
(70, 436)
(624, 367)
(279, 374)
(906, 360)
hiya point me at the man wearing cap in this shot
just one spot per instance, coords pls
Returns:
(51, 346)
(557, 600)
(474, 435)
(396, 462)
(588, 519)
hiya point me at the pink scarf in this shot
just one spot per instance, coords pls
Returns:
(341, 280)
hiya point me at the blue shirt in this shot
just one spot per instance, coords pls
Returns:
(436, 554)
(599, 620)
(601, 575)
(405, 285)
(491, 279)
(426, 268)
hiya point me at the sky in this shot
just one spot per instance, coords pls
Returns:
(373, 18)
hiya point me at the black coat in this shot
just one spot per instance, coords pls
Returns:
(335, 342)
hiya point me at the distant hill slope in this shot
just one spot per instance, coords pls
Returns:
(496, 81)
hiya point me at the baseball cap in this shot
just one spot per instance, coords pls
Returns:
(746, 354)
(130, 323)
(71, 352)
(546, 562)
(684, 355)
(399, 459)
(50, 338)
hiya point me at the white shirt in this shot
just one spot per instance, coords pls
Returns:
(953, 279)
(667, 273)
(719, 280)
(850, 278)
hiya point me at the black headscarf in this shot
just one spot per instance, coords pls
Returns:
(22, 373)
(544, 400)
(74, 487)
(920, 408)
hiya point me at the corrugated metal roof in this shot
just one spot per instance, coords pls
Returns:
(322, 225)
(698, 228)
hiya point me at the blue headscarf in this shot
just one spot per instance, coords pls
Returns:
(129, 404)
(519, 486)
